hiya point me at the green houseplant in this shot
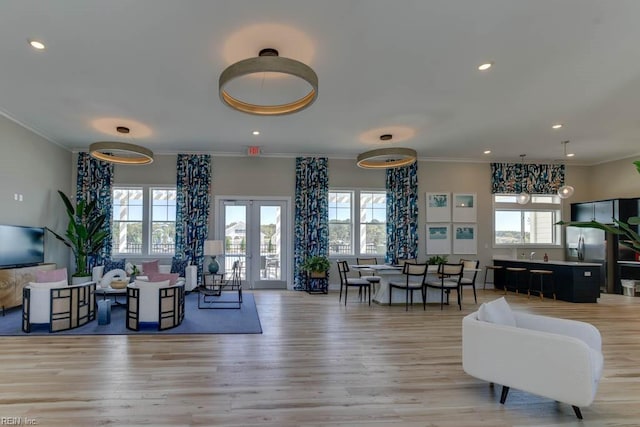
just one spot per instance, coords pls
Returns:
(437, 259)
(316, 265)
(84, 233)
(627, 236)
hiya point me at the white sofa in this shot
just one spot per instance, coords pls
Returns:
(555, 358)
(190, 279)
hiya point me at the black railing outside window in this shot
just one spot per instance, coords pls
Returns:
(136, 248)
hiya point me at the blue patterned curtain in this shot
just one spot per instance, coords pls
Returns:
(402, 213)
(192, 206)
(534, 179)
(311, 213)
(94, 182)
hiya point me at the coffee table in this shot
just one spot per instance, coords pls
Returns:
(115, 293)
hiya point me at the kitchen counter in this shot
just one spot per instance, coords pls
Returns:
(551, 262)
(574, 281)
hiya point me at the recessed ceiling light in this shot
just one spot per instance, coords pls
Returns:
(487, 151)
(571, 154)
(485, 66)
(556, 126)
(256, 132)
(36, 44)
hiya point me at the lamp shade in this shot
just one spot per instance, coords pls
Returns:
(565, 191)
(523, 198)
(213, 247)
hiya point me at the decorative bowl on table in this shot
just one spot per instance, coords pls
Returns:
(119, 284)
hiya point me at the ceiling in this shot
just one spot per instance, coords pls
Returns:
(405, 67)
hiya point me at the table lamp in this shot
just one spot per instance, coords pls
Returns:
(213, 248)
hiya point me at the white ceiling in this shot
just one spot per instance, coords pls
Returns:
(381, 65)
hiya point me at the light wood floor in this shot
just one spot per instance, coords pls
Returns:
(317, 363)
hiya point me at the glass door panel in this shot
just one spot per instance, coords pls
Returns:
(235, 237)
(255, 235)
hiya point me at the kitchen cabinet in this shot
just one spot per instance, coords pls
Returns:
(605, 210)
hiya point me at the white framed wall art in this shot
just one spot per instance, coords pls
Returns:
(465, 239)
(438, 239)
(438, 207)
(464, 207)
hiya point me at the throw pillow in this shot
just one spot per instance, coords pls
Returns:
(158, 277)
(150, 267)
(51, 275)
(113, 264)
(497, 311)
(178, 265)
(49, 285)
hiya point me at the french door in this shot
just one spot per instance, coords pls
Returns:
(255, 235)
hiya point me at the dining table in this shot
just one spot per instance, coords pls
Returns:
(393, 273)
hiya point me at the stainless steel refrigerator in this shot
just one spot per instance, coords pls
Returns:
(593, 245)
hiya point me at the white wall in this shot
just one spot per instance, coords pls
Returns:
(34, 167)
(619, 179)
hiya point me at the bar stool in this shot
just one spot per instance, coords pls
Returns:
(492, 268)
(541, 274)
(513, 272)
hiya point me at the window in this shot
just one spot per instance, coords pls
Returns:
(144, 226)
(163, 221)
(532, 224)
(369, 229)
(340, 222)
(373, 222)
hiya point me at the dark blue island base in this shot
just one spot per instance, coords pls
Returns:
(574, 281)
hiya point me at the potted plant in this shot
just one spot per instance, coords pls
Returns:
(84, 233)
(627, 235)
(437, 259)
(317, 266)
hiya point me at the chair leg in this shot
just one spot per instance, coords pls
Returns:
(369, 291)
(459, 292)
(423, 291)
(346, 291)
(503, 395)
(340, 299)
(475, 298)
(441, 298)
(577, 411)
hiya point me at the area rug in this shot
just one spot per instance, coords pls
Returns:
(244, 320)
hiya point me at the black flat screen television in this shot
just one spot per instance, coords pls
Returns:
(21, 246)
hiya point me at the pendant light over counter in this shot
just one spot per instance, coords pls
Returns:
(565, 191)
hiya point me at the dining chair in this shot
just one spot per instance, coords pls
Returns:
(402, 261)
(414, 281)
(449, 277)
(469, 275)
(363, 285)
(375, 280)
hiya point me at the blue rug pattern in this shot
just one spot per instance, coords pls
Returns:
(196, 321)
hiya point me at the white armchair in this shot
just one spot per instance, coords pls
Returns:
(556, 358)
(190, 279)
(154, 302)
(58, 305)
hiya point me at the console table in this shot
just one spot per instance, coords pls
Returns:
(13, 280)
